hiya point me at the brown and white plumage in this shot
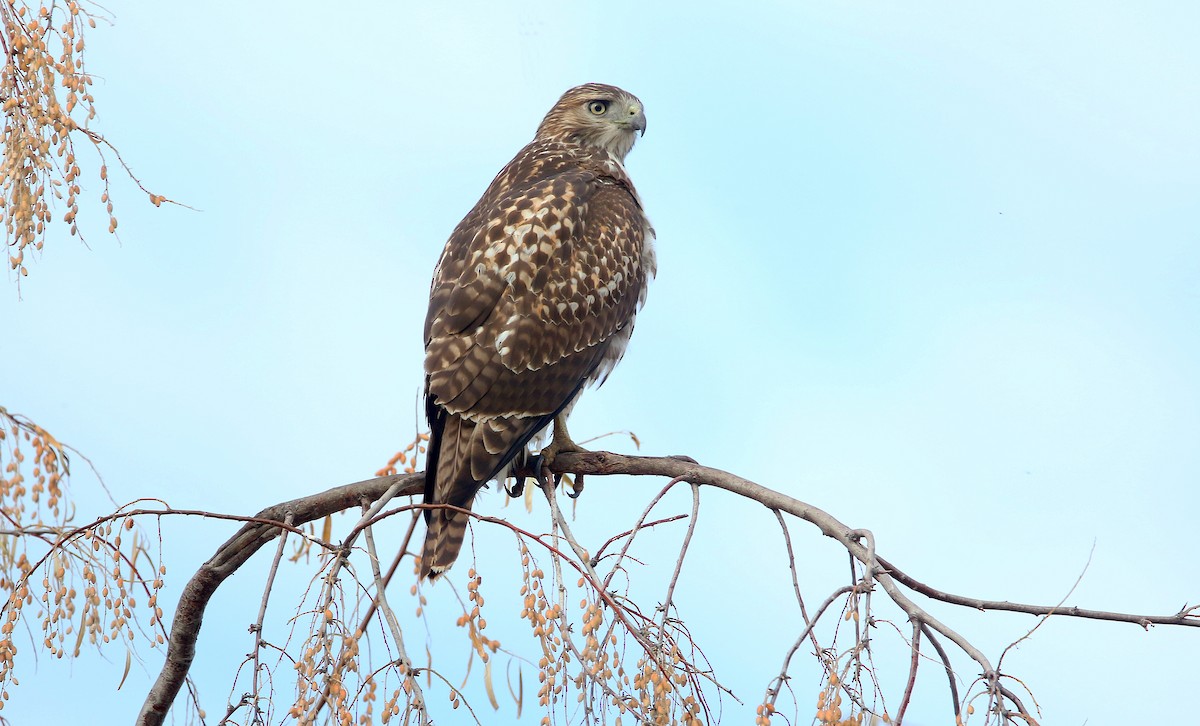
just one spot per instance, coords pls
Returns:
(533, 298)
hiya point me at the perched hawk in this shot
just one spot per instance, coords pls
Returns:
(533, 298)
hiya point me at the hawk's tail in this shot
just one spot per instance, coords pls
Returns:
(448, 481)
(463, 455)
(443, 541)
(457, 468)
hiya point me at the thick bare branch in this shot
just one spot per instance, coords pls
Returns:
(185, 627)
(602, 462)
(254, 535)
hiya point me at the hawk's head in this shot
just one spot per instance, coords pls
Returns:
(596, 115)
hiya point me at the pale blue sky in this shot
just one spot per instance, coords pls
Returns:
(932, 267)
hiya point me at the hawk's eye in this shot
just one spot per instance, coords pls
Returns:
(598, 108)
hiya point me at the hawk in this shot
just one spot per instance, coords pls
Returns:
(533, 298)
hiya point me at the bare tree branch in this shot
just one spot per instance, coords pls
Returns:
(687, 539)
(950, 676)
(185, 626)
(912, 674)
(1187, 616)
(254, 535)
(257, 628)
(791, 555)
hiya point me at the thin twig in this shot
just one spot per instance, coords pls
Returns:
(556, 564)
(787, 540)
(259, 530)
(600, 552)
(621, 613)
(1184, 617)
(912, 674)
(257, 628)
(387, 576)
(687, 540)
(1023, 712)
(1041, 621)
(585, 566)
(777, 682)
(380, 601)
(637, 526)
(340, 560)
(949, 668)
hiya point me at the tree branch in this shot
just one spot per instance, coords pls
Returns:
(1187, 616)
(252, 536)
(185, 626)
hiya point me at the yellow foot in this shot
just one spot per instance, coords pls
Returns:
(560, 444)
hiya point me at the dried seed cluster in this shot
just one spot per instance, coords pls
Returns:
(329, 656)
(583, 650)
(659, 688)
(91, 577)
(406, 458)
(47, 105)
(545, 620)
(335, 680)
(42, 91)
(474, 621)
(49, 468)
(829, 706)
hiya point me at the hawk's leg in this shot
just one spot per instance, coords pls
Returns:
(560, 444)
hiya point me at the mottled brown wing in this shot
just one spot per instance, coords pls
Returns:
(522, 311)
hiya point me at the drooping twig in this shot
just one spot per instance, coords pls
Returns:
(949, 668)
(640, 635)
(417, 701)
(581, 554)
(341, 559)
(1023, 713)
(787, 540)
(912, 674)
(365, 621)
(687, 539)
(257, 628)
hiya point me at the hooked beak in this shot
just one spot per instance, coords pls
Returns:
(637, 120)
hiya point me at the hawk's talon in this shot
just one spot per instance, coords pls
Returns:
(576, 487)
(560, 444)
(531, 467)
(518, 487)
